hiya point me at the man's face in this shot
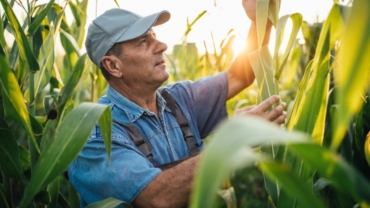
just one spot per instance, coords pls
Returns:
(143, 62)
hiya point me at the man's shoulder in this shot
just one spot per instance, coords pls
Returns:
(176, 85)
(180, 91)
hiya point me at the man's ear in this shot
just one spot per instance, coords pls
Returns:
(111, 64)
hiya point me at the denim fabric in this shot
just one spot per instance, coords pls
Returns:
(202, 103)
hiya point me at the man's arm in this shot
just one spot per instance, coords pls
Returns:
(240, 74)
(171, 188)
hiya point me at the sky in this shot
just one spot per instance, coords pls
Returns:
(221, 16)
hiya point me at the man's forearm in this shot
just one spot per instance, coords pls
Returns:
(240, 73)
(171, 188)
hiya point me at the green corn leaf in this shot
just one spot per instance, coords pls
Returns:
(65, 109)
(49, 102)
(53, 15)
(72, 53)
(75, 11)
(300, 94)
(280, 62)
(9, 157)
(42, 197)
(37, 128)
(116, 2)
(362, 128)
(3, 123)
(367, 148)
(25, 158)
(48, 135)
(53, 189)
(46, 60)
(189, 26)
(310, 106)
(75, 77)
(214, 170)
(20, 38)
(309, 111)
(71, 42)
(79, 12)
(227, 52)
(274, 7)
(261, 62)
(293, 66)
(291, 184)
(352, 74)
(2, 38)
(101, 82)
(3, 201)
(73, 197)
(40, 17)
(57, 16)
(302, 173)
(68, 141)
(38, 39)
(335, 169)
(273, 189)
(109, 203)
(272, 186)
(13, 59)
(261, 20)
(105, 124)
(13, 102)
(231, 148)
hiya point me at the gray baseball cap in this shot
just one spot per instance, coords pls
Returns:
(118, 25)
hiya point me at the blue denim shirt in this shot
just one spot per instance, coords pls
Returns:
(202, 103)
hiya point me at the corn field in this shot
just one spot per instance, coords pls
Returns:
(319, 158)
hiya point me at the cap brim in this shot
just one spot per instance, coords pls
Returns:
(143, 25)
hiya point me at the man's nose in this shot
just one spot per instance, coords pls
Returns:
(161, 47)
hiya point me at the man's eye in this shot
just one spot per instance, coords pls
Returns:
(143, 41)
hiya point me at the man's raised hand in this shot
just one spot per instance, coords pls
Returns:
(276, 115)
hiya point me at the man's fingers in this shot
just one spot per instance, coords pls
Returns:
(243, 111)
(266, 104)
(276, 115)
(280, 119)
(276, 112)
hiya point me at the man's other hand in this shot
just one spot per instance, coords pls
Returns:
(276, 115)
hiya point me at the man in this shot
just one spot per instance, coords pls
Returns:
(123, 44)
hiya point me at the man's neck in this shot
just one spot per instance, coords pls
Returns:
(142, 96)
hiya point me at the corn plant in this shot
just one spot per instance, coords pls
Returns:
(298, 173)
(41, 130)
(187, 64)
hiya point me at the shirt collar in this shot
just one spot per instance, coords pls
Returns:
(132, 110)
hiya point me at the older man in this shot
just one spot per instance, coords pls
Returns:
(156, 132)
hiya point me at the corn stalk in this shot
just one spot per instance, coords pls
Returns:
(32, 107)
(290, 169)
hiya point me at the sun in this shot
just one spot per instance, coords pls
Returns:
(238, 45)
